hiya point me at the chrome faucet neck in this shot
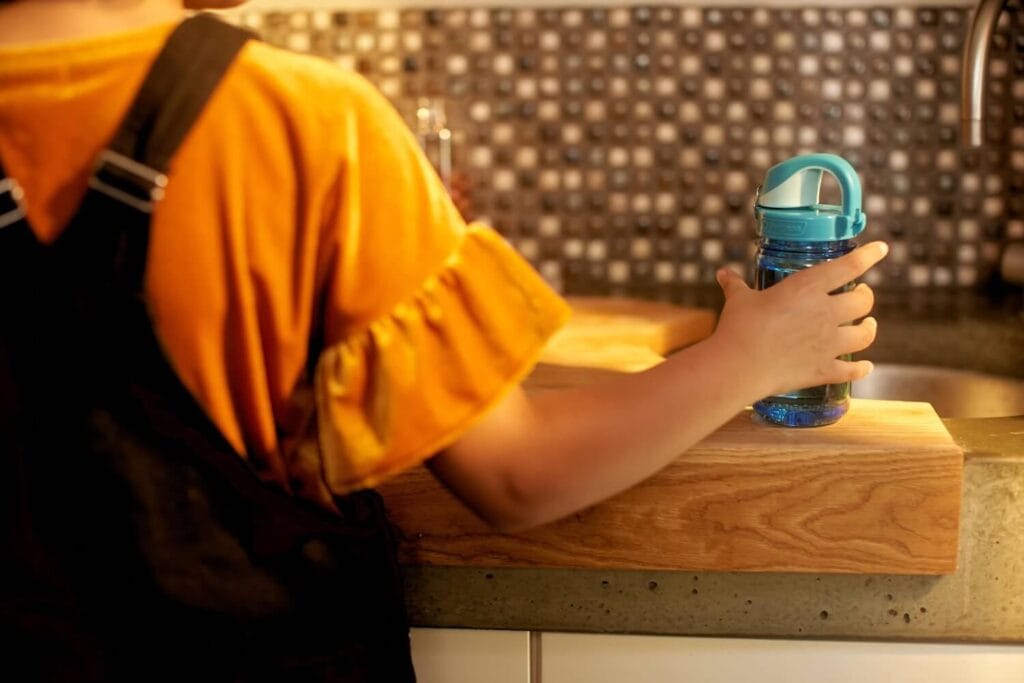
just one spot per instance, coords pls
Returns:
(974, 75)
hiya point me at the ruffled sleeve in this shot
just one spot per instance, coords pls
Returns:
(426, 322)
(415, 379)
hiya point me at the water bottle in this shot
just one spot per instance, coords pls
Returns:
(797, 231)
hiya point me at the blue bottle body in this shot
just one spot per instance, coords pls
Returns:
(814, 406)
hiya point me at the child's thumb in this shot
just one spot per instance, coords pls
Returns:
(730, 282)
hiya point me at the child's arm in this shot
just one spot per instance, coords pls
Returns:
(533, 460)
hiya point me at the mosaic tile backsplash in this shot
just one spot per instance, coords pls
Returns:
(622, 146)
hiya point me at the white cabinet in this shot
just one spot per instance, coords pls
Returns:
(582, 658)
(448, 655)
(474, 656)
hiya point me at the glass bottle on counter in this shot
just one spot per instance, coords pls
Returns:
(435, 137)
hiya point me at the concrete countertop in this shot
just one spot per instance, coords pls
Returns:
(982, 601)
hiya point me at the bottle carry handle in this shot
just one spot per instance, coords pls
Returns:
(796, 183)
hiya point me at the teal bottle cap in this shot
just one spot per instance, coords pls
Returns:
(787, 206)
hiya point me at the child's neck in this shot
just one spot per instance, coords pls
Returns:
(29, 21)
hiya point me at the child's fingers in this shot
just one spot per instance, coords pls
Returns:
(854, 338)
(852, 305)
(730, 282)
(848, 371)
(835, 274)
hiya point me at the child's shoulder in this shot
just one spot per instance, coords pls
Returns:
(302, 80)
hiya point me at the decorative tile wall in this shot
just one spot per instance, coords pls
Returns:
(621, 146)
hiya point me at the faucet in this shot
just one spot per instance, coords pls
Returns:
(972, 109)
(973, 76)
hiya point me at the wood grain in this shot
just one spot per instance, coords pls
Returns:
(878, 492)
(602, 329)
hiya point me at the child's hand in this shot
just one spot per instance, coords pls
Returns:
(793, 332)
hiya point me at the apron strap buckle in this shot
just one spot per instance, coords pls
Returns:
(125, 180)
(12, 202)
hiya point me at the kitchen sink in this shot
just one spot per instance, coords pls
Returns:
(953, 393)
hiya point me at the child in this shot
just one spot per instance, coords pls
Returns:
(302, 228)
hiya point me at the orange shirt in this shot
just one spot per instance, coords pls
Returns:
(298, 205)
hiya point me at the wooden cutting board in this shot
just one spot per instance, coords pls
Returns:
(878, 492)
(616, 334)
(625, 333)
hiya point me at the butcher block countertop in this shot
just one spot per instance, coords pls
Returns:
(930, 564)
(879, 491)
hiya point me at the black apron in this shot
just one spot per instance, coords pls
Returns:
(137, 545)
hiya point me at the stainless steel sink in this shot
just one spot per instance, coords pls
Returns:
(954, 393)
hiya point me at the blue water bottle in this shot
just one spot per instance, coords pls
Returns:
(796, 232)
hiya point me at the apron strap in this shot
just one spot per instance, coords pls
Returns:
(177, 87)
(129, 177)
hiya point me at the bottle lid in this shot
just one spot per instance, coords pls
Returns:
(787, 206)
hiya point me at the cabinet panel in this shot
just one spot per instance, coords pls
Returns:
(571, 658)
(446, 655)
